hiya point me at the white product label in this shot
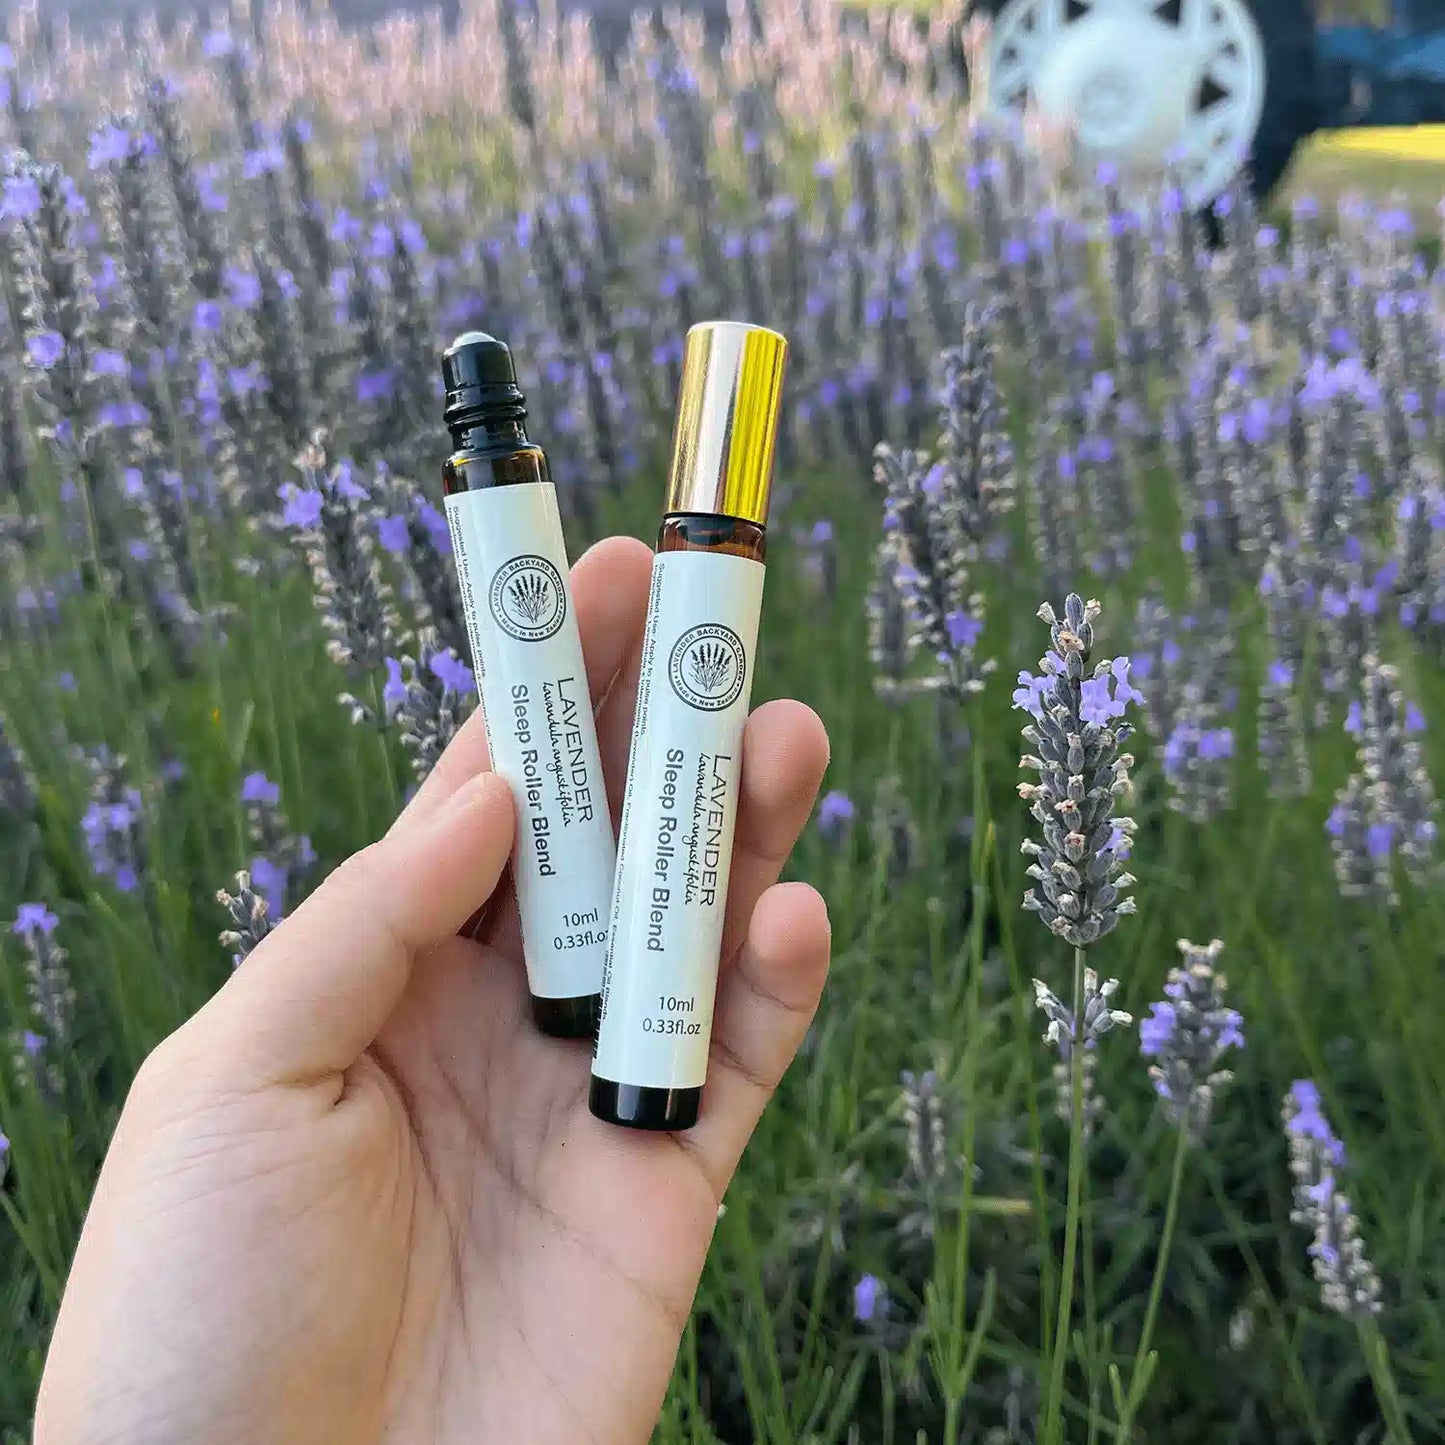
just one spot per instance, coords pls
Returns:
(512, 567)
(676, 846)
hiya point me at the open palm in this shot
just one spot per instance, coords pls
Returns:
(359, 1198)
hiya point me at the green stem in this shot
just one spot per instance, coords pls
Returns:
(1053, 1413)
(1156, 1287)
(1377, 1356)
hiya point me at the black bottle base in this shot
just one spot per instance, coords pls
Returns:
(567, 1018)
(636, 1107)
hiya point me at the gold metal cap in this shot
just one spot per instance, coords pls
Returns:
(727, 420)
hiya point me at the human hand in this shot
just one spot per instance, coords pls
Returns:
(358, 1197)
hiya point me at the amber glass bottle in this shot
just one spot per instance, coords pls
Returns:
(512, 568)
(680, 808)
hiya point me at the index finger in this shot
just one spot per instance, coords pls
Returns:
(609, 591)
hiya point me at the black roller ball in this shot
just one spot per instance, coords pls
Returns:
(481, 382)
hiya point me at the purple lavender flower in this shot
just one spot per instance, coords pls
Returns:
(870, 1299)
(258, 788)
(453, 673)
(394, 534)
(45, 348)
(835, 815)
(303, 507)
(34, 918)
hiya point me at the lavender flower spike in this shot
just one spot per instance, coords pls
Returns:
(1099, 1015)
(1348, 1283)
(1099, 1018)
(1187, 1034)
(1077, 734)
(250, 918)
(430, 697)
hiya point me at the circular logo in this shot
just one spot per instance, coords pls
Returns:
(708, 666)
(527, 599)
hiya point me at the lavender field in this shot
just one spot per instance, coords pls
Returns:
(1041, 1174)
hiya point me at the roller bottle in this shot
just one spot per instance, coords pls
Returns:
(680, 811)
(511, 562)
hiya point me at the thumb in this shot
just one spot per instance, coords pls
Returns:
(315, 994)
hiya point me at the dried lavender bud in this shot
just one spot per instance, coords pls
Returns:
(1348, 1283)
(924, 519)
(428, 698)
(326, 514)
(1076, 737)
(1187, 1034)
(250, 921)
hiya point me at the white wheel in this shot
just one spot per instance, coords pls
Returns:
(1140, 82)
